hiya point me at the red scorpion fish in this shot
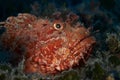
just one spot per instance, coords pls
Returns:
(49, 46)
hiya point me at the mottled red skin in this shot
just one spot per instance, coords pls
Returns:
(47, 49)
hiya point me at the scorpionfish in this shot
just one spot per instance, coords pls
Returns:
(48, 45)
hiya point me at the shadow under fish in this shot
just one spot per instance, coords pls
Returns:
(9, 57)
(2, 30)
(5, 55)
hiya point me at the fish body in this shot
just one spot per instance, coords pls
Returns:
(49, 46)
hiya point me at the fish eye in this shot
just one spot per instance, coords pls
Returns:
(58, 26)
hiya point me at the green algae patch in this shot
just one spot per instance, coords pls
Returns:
(2, 76)
(113, 43)
(20, 78)
(5, 68)
(114, 60)
(98, 72)
(71, 75)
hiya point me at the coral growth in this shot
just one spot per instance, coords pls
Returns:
(49, 46)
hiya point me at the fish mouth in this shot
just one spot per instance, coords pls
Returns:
(82, 48)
